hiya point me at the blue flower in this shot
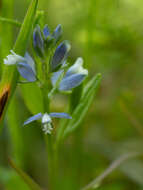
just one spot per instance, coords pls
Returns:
(46, 31)
(25, 65)
(42, 40)
(38, 42)
(46, 120)
(56, 35)
(73, 77)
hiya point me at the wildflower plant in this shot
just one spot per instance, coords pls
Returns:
(51, 72)
(57, 72)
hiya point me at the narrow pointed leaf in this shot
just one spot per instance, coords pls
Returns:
(82, 109)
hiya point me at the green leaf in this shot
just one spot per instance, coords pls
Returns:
(82, 109)
(26, 29)
(10, 74)
(32, 96)
(75, 97)
(16, 134)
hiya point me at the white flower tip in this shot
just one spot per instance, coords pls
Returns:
(68, 46)
(78, 67)
(79, 64)
(12, 52)
(84, 72)
(79, 61)
(9, 60)
(13, 58)
(47, 128)
(46, 118)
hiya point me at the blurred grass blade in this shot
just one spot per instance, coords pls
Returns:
(82, 109)
(114, 165)
(24, 176)
(26, 29)
(101, 144)
(131, 117)
(10, 74)
(6, 31)
(10, 21)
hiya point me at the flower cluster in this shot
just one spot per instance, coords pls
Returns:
(63, 77)
(43, 40)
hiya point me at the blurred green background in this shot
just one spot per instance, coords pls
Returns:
(108, 34)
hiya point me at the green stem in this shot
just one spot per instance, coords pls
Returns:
(48, 138)
(49, 148)
(49, 145)
(10, 21)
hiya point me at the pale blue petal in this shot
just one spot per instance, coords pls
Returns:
(37, 37)
(60, 115)
(38, 41)
(46, 31)
(56, 76)
(57, 33)
(26, 72)
(33, 118)
(71, 81)
(60, 55)
(30, 61)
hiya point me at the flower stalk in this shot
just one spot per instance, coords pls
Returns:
(51, 73)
